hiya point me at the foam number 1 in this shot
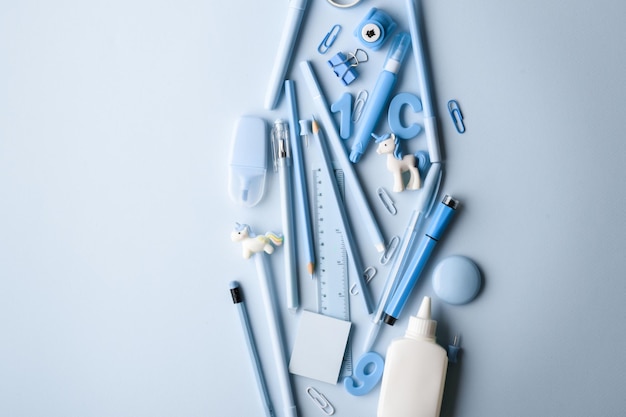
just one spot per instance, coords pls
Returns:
(367, 373)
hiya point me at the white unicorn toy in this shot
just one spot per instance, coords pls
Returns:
(251, 243)
(398, 163)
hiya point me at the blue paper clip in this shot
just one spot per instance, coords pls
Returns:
(329, 39)
(457, 116)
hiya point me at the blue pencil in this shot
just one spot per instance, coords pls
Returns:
(235, 291)
(304, 233)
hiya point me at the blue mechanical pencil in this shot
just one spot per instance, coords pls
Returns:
(441, 218)
(380, 94)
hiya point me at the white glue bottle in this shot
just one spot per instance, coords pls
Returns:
(415, 370)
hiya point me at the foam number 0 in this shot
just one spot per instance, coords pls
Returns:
(367, 373)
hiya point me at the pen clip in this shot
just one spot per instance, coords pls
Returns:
(280, 144)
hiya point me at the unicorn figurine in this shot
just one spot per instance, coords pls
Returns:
(398, 163)
(251, 243)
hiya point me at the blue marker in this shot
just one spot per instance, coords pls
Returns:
(380, 95)
(441, 218)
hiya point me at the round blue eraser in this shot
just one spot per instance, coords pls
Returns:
(456, 280)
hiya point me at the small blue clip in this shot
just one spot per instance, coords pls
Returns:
(329, 39)
(344, 67)
(457, 116)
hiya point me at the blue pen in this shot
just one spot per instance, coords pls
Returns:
(425, 202)
(282, 162)
(441, 218)
(380, 95)
(235, 292)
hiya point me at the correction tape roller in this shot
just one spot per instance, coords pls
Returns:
(248, 161)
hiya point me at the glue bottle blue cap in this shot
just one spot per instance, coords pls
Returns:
(248, 161)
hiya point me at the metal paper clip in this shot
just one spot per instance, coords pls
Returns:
(321, 401)
(369, 274)
(384, 198)
(457, 116)
(359, 104)
(390, 250)
(329, 39)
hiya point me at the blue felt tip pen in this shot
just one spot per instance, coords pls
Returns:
(380, 94)
(440, 220)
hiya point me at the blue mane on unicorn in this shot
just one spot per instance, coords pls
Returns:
(397, 150)
(239, 227)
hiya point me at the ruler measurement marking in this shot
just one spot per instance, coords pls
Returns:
(332, 273)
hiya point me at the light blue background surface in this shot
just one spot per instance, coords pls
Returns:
(115, 257)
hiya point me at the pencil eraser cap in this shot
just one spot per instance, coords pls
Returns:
(456, 280)
(248, 161)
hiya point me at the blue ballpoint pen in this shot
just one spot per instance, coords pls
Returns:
(426, 198)
(440, 220)
(380, 94)
(238, 300)
(282, 161)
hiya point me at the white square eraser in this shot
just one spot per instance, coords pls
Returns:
(320, 346)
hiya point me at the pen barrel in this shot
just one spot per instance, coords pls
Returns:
(442, 217)
(285, 48)
(409, 279)
(255, 359)
(430, 188)
(432, 143)
(284, 171)
(301, 200)
(371, 113)
(275, 331)
(440, 221)
(238, 300)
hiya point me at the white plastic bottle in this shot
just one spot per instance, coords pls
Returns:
(415, 370)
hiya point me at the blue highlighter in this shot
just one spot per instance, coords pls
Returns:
(380, 94)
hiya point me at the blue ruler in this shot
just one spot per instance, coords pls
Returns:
(333, 296)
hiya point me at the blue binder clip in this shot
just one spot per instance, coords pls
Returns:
(344, 66)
